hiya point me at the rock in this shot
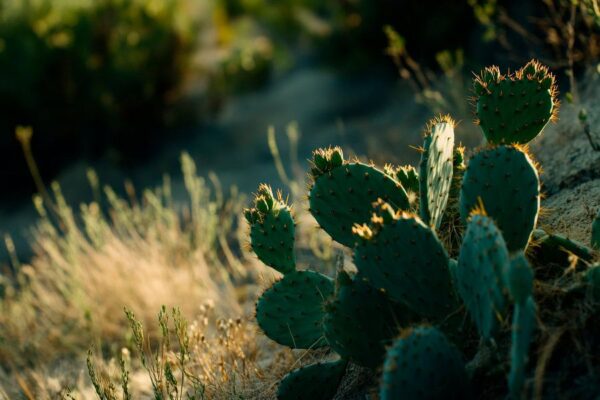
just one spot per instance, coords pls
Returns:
(571, 168)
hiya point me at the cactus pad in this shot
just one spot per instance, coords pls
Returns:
(505, 180)
(272, 230)
(401, 255)
(362, 321)
(407, 176)
(523, 325)
(314, 382)
(515, 108)
(423, 364)
(520, 279)
(481, 272)
(342, 194)
(291, 311)
(435, 170)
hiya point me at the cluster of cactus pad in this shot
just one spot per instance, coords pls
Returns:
(413, 303)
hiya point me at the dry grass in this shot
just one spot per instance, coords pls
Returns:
(90, 264)
(151, 255)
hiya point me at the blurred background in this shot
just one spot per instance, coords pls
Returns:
(122, 86)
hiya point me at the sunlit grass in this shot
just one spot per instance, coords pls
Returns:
(102, 273)
(140, 252)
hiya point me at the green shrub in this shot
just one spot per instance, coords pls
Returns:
(91, 75)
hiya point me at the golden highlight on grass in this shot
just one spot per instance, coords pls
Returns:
(148, 254)
(90, 263)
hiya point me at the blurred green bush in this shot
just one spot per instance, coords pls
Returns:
(349, 33)
(89, 75)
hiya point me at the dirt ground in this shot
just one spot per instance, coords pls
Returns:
(571, 168)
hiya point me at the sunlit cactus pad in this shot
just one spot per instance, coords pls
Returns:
(435, 170)
(272, 230)
(423, 364)
(505, 182)
(291, 311)
(514, 108)
(342, 193)
(314, 382)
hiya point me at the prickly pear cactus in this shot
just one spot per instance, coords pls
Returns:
(343, 192)
(482, 267)
(514, 108)
(505, 180)
(291, 311)
(596, 232)
(402, 256)
(435, 170)
(362, 321)
(314, 382)
(272, 229)
(423, 364)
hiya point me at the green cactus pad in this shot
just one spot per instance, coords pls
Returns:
(505, 180)
(342, 195)
(523, 324)
(401, 255)
(435, 170)
(314, 382)
(362, 321)
(596, 232)
(482, 267)
(407, 176)
(291, 311)
(515, 108)
(272, 230)
(423, 364)
(519, 279)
